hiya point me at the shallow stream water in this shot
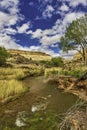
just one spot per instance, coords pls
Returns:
(41, 108)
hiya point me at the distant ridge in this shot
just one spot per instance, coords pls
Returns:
(13, 51)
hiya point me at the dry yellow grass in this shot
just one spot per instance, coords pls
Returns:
(10, 80)
(12, 73)
(10, 88)
(49, 71)
(37, 56)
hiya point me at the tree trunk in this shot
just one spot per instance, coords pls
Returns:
(86, 56)
(84, 53)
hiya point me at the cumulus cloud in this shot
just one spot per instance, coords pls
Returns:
(68, 55)
(48, 37)
(10, 31)
(10, 5)
(8, 42)
(64, 7)
(72, 16)
(48, 12)
(9, 16)
(7, 20)
(75, 3)
(51, 36)
(44, 49)
(49, 40)
(37, 33)
(23, 28)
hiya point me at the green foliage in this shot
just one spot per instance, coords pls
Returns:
(57, 62)
(75, 37)
(52, 73)
(73, 73)
(3, 56)
(46, 63)
(54, 62)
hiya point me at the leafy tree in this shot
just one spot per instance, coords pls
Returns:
(3, 56)
(76, 37)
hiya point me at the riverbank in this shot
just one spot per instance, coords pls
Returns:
(76, 117)
(11, 81)
(41, 105)
(34, 98)
(30, 98)
(71, 85)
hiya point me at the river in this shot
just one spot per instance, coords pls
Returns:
(41, 108)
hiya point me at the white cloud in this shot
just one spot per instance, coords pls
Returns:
(72, 16)
(68, 55)
(37, 33)
(49, 40)
(10, 5)
(64, 7)
(10, 31)
(23, 28)
(51, 36)
(9, 43)
(7, 20)
(54, 45)
(44, 49)
(75, 3)
(9, 17)
(48, 12)
(47, 37)
(13, 15)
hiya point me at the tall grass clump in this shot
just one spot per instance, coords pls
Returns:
(10, 88)
(12, 73)
(55, 71)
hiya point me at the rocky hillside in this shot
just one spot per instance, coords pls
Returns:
(26, 57)
(30, 55)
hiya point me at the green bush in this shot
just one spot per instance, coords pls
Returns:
(57, 61)
(52, 73)
(47, 63)
(3, 56)
(73, 73)
(54, 62)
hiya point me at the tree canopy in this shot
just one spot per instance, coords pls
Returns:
(76, 37)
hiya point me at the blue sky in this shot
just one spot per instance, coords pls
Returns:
(37, 25)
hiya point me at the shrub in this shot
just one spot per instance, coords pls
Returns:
(57, 61)
(54, 62)
(46, 63)
(73, 73)
(3, 56)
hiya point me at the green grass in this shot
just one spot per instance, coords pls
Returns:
(74, 73)
(77, 73)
